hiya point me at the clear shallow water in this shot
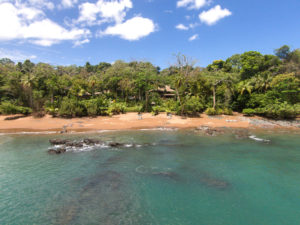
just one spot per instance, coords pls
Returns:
(185, 178)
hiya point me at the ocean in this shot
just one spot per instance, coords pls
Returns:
(165, 177)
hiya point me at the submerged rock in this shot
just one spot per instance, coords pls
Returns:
(57, 151)
(214, 182)
(167, 174)
(241, 133)
(210, 131)
(206, 178)
(104, 199)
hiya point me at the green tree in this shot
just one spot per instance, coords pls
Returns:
(283, 52)
(251, 64)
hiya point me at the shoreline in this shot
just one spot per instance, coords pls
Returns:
(131, 121)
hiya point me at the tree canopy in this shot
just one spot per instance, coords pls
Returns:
(251, 82)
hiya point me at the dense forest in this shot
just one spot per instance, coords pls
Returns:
(251, 83)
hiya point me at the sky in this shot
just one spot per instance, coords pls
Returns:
(71, 32)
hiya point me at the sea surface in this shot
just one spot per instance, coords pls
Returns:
(159, 177)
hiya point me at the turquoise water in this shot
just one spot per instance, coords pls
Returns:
(180, 178)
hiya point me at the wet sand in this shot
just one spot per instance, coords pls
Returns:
(132, 121)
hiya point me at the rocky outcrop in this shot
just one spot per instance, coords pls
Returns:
(62, 146)
(89, 141)
(57, 151)
(58, 141)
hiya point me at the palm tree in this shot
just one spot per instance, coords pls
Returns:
(27, 82)
(245, 86)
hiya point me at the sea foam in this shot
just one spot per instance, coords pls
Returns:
(253, 137)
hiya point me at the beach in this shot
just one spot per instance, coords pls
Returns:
(131, 121)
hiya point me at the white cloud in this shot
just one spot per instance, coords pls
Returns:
(88, 12)
(213, 15)
(192, 4)
(181, 27)
(107, 11)
(39, 4)
(194, 37)
(28, 23)
(15, 55)
(81, 42)
(132, 29)
(184, 27)
(68, 3)
(193, 25)
(30, 13)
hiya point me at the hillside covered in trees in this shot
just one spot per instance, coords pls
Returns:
(251, 83)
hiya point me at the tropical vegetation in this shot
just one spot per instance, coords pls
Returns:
(250, 83)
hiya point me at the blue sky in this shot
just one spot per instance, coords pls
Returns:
(76, 31)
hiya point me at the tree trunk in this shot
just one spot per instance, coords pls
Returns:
(146, 101)
(180, 102)
(214, 97)
(140, 97)
(52, 98)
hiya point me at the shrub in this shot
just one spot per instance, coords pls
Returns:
(227, 111)
(171, 105)
(213, 112)
(95, 107)
(9, 108)
(280, 111)
(275, 111)
(72, 108)
(136, 108)
(297, 107)
(91, 108)
(191, 106)
(157, 109)
(52, 110)
(116, 108)
(248, 112)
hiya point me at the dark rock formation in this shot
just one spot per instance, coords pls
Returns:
(77, 144)
(116, 144)
(89, 141)
(58, 141)
(57, 151)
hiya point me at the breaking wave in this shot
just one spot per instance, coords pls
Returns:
(253, 137)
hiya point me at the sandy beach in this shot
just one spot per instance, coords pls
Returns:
(132, 121)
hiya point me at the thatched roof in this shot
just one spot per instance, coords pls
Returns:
(169, 89)
(166, 89)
